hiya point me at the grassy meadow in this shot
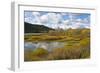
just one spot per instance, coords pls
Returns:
(76, 45)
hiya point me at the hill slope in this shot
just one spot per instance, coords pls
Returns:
(34, 28)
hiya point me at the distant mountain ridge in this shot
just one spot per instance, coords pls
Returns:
(34, 28)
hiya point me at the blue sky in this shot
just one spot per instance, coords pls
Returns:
(56, 20)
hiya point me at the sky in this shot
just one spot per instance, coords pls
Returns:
(63, 20)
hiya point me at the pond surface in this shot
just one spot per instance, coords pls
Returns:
(46, 45)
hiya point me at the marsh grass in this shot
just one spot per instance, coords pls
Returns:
(76, 46)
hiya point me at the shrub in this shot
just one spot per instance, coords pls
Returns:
(85, 43)
(35, 55)
(28, 55)
(65, 53)
(40, 52)
(85, 53)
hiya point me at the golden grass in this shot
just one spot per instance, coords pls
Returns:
(77, 45)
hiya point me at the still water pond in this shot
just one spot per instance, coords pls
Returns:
(46, 45)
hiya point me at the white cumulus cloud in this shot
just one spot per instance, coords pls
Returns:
(54, 18)
(36, 14)
(44, 19)
(58, 20)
